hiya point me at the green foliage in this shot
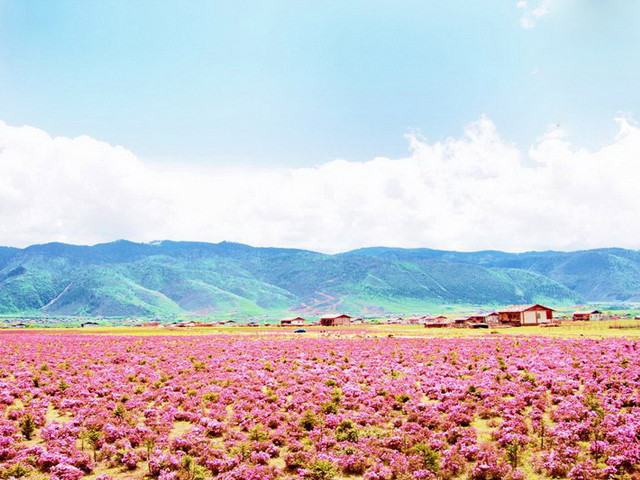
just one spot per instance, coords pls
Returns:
(17, 470)
(402, 398)
(329, 407)
(346, 432)
(92, 435)
(513, 454)
(529, 377)
(322, 470)
(308, 420)
(120, 411)
(430, 457)
(258, 433)
(193, 471)
(27, 426)
(210, 397)
(593, 403)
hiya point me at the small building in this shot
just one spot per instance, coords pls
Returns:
(586, 316)
(357, 321)
(491, 318)
(253, 324)
(526, 314)
(196, 324)
(293, 322)
(438, 322)
(88, 324)
(227, 322)
(396, 321)
(335, 320)
(186, 324)
(150, 324)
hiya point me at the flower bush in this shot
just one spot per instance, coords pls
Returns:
(177, 408)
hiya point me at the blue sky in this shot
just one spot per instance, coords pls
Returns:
(327, 125)
(302, 83)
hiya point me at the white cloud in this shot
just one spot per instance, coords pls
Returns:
(472, 192)
(533, 11)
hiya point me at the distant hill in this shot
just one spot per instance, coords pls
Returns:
(134, 279)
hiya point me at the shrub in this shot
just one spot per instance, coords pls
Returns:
(295, 460)
(27, 426)
(258, 433)
(321, 470)
(17, 470)
(429, 457)
(308, 420)
(346, 432)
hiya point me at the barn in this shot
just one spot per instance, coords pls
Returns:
(335, 320)
(585, 316)
(292, 322)
(526, 314)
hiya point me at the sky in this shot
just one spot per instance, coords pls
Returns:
(492, 124)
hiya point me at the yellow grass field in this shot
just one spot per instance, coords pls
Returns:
(602, 329)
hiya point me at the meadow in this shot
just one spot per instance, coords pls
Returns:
(354, 403)
(602, 329)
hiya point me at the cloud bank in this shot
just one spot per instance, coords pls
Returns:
(472, 192)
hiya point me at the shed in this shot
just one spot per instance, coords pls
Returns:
(335, 320)
(292, 322)
(89, 324)
(526, 314)
(585, 316)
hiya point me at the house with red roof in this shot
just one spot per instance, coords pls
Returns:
(335, 320)
(586, 316)
(490, 318)
(293, 322)
(526, 314)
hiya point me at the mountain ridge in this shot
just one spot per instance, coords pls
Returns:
(125, 278)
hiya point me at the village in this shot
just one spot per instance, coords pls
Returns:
(510, 316)
(504, 317)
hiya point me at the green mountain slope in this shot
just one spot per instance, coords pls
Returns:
(133, 279)
(608, 274)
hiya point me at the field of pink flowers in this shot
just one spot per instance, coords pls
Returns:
(244, 408)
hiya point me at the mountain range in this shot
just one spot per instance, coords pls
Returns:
(164, 278)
